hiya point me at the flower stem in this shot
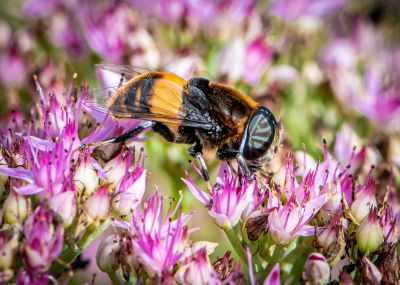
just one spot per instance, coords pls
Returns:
(70, 253)
(278, 252)
(114, 278)
(236, 244)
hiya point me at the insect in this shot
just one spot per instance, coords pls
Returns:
(204, 114)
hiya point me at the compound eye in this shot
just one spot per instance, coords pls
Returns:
(259, 135)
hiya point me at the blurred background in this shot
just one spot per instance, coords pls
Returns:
(326, 68)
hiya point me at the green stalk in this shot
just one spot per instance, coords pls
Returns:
(69, 254)
(236, 243)
(278, 252)
(114, 278)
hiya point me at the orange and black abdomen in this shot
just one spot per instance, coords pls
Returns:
(153, 95)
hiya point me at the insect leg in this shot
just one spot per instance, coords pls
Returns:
(203, 166)
(245, 168)
(196, 151)
(130, 134)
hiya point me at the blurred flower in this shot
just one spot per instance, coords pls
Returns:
(292, 10)
(369, 234)
(13, 69)
(316, 269)
(258, 57)
(232, 58)
(43, 240)
(274, 276)
(27, 278)
(369, 273)
(63, 33)
(228, 199)
(380, 105)
(105, 29)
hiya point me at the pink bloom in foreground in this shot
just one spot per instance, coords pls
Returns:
(158, 241)
(229, 198)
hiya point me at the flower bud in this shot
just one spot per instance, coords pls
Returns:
(64, 204)
(118, 167)
(332, 240)
(388, 263)
(129, 192)
(365, 199)
(86, 178)
(107, 256)
(316, 269)
(255, 226)
(98, 205)
(369, 234)
(16, 208)
(369, 272)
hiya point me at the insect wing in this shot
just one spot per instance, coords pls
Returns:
(154, 96)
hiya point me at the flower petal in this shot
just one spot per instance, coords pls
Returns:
(197, 193)
(18, 173)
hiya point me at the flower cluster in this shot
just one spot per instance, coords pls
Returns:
(56, 190)
(318, 201)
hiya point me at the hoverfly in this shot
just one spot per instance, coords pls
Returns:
(205, 114)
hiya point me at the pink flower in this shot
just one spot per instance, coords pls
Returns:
(293, 10)
(105, 29)
(63, 33)
(288, 221)
(158, 241)
(228, 198)
(291, 220)
(13, 69)
(43, 240)
(258, 57)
